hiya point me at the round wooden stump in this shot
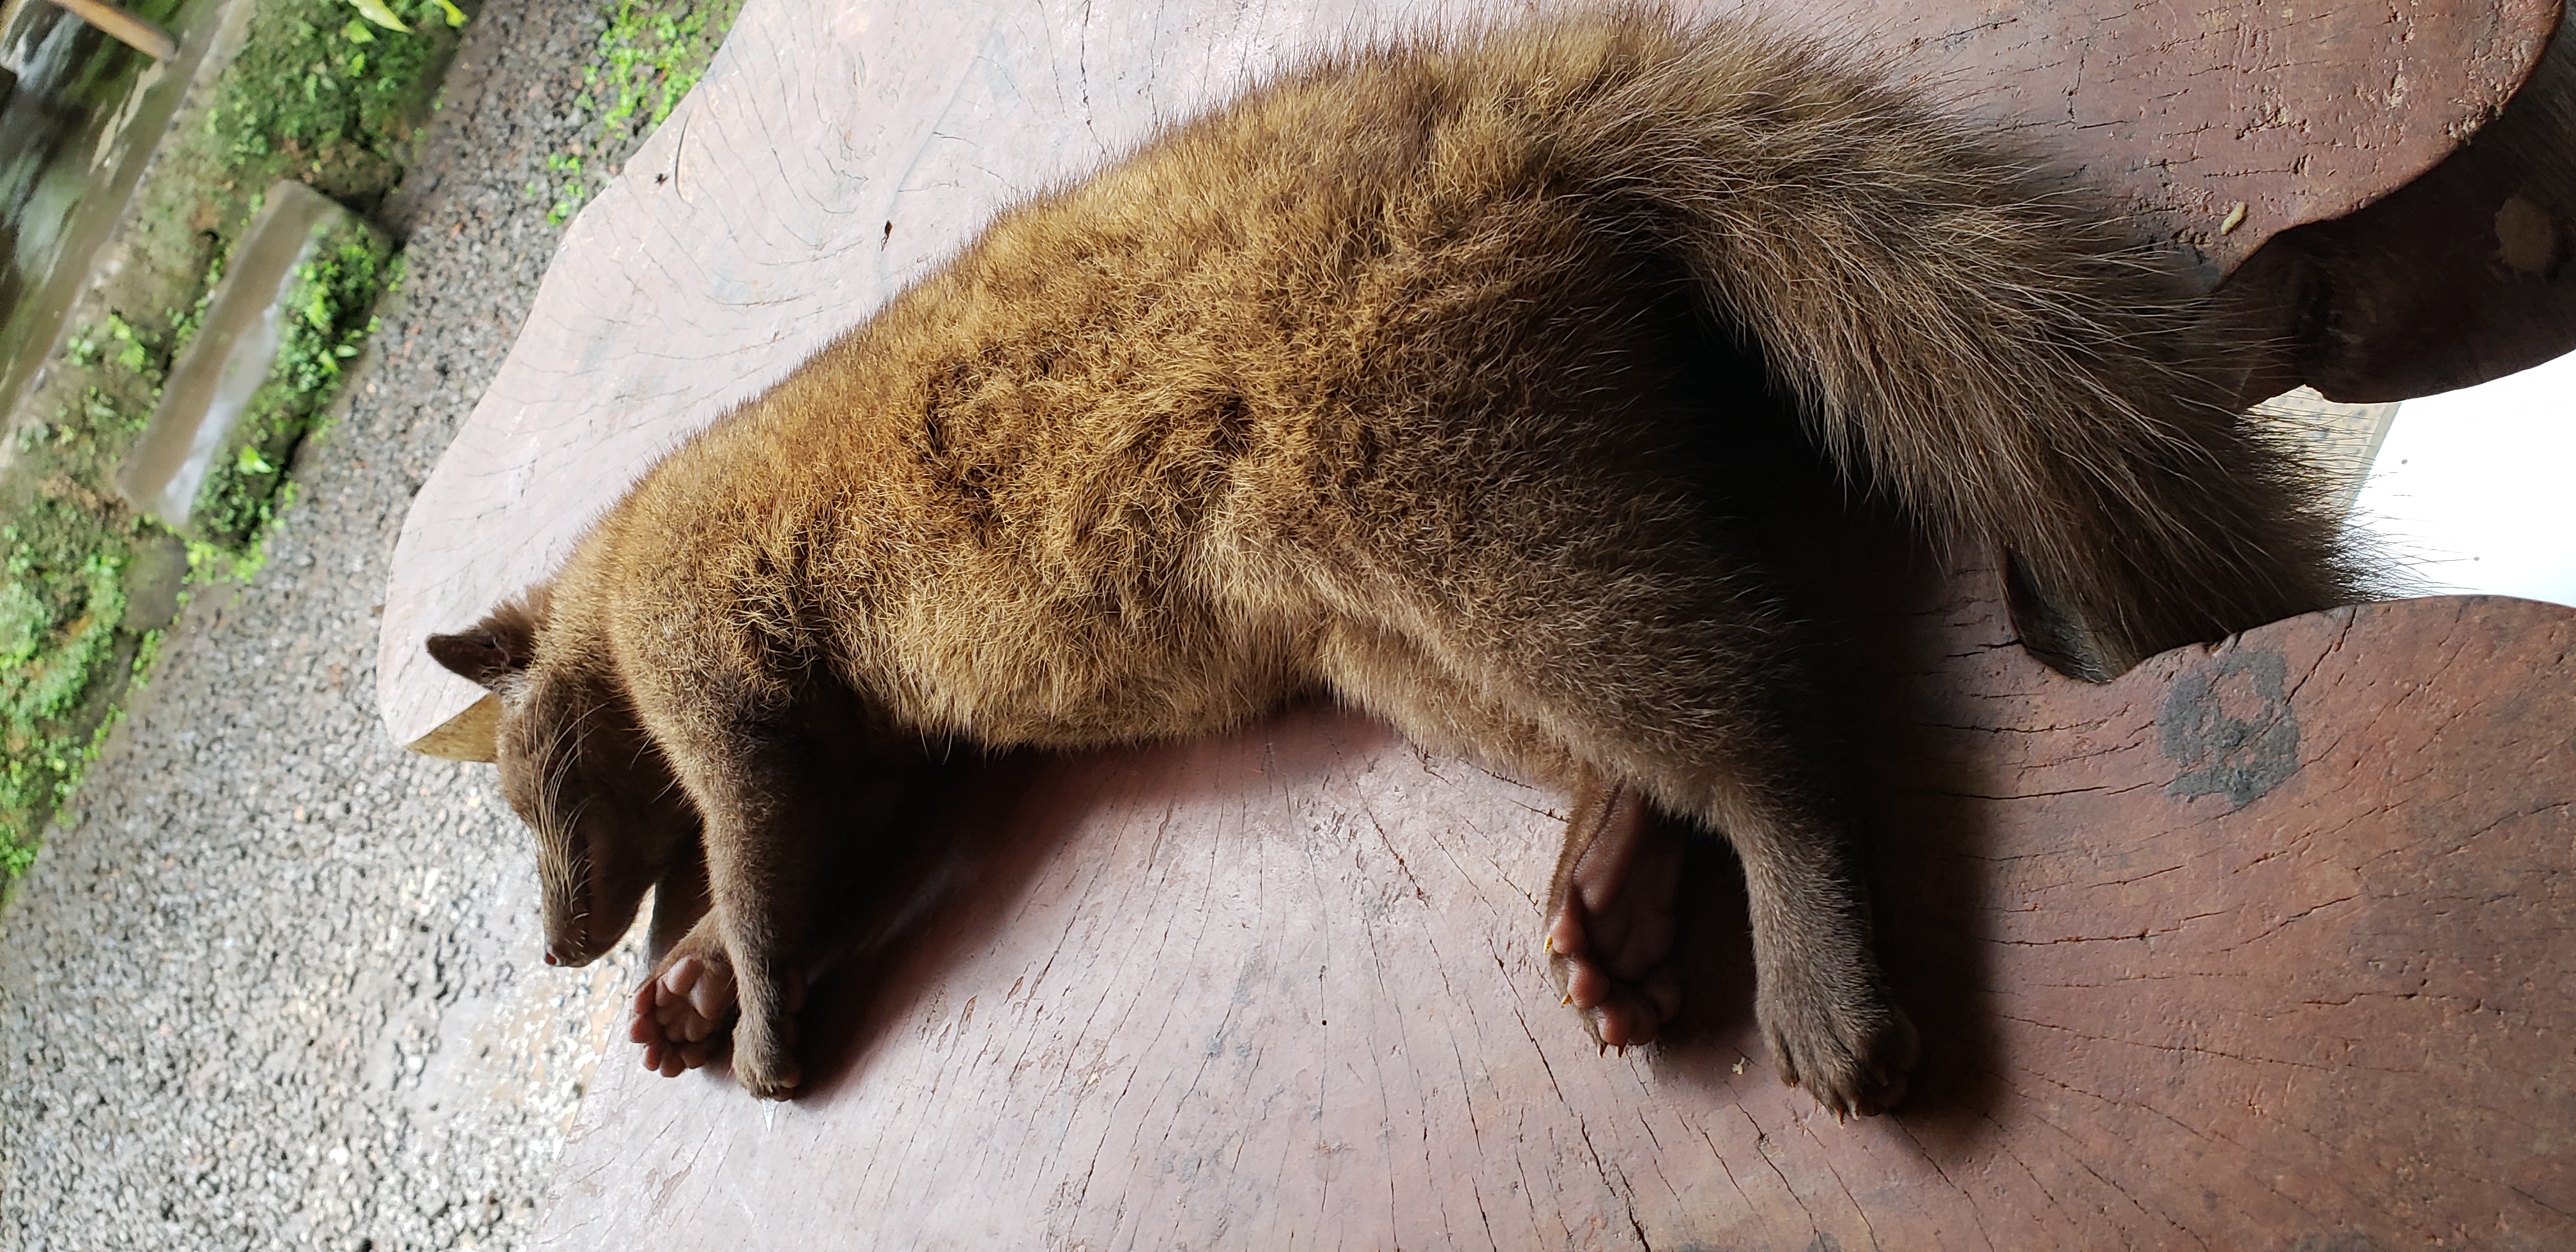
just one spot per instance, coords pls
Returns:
(2265, 946)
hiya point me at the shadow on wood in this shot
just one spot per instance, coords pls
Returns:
(2259, 943)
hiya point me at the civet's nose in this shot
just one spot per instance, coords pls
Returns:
(551, 958)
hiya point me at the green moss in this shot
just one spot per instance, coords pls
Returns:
(62, 605)
(335, 103)
(329, 308)
(184, 324)
(651, 54)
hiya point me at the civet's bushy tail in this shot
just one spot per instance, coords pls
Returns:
(1960, 335)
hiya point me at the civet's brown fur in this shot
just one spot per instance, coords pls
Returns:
(1385, 380)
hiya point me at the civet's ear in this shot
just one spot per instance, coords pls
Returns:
(491, 650)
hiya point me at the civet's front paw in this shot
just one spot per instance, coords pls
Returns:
(1838, 1037)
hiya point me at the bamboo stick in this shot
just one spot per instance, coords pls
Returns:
(134, 32)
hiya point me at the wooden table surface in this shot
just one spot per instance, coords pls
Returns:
(2261, 947)
(2265, 946)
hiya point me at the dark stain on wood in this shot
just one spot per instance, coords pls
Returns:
(2230, 727)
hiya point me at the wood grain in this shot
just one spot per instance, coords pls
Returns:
(834, 154)
(2261, 946)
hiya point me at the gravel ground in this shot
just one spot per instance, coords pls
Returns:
(276, 983)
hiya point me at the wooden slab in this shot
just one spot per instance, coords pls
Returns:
(2264, 946)
(2461, 276)
(834, 153)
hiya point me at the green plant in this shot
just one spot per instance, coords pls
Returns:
(331, 94)
(183, 325)
(650, 55)
(210, 564)
(62, 603)
(329, 314)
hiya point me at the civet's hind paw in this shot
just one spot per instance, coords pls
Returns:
(685, 1016)
(1610, 915)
